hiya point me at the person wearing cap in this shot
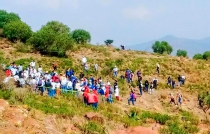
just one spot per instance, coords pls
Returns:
(115, 71)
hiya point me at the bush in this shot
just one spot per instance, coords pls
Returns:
(206, 55)
(162, 47)
(5, 94)
(198, 56)
(17, 30)
(6, 17)
(53, 38)
(93, 127)
(81, 36)
(23, 48)
(182, 53)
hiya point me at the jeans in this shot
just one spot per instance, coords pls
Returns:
(41, 89)
(131, 100)
(63, 88)
(95, 106)
(140, 89)
(109, 99)
(115, 74)
(146, 87)
(128, 79)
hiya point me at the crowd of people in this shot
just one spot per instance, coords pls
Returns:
(90, 87)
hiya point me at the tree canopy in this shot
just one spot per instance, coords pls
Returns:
(181, 53)
(17, 30)
(206, 55)
(162, 47)
(81, 36)
(198, 56)
(6, 17)
(53, 38)
(108, 41)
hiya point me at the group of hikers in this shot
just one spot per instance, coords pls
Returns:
(89, 87)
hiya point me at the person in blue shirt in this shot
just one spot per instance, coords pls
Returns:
(132, 98)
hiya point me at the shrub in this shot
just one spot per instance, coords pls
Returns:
(23, 48)
(17, 30)
(206, 55)
(24, 62)
(93, 127)
(5, 94)
(81, 36)
(6, 17)
(53, 38)
(198, 56)
(182, 53)
(162, 47)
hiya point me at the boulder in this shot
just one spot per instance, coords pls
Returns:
(94, 117)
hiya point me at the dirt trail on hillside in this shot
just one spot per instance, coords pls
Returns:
(154, 102)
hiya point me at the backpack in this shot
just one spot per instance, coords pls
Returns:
(40, 82)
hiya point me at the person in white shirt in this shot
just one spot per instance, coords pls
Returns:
(84, 60)
(40, 69)
(116, 93)
(14, 71)
(115, 71)
(33, 64)
(96, 67)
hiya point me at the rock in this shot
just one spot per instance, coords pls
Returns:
(94, 117)
(18, 123)
(163, 96)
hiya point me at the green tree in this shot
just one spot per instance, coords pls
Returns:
(81, 36)
(198, 56)
(6, 17)
(17, 30)
(53, 38)
(162, 47)
(181, 53)
(206, 55)
(108, 41)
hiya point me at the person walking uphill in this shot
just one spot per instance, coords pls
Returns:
(115, 71)
(132, 97)
(158, 68)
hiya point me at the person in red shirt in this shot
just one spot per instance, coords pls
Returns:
(92, 99)
(8, 73)
(85, 95)
(107, 92)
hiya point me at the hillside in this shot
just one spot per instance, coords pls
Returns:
(65, 114)
(191, 46)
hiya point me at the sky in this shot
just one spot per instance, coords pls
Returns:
(127, 22)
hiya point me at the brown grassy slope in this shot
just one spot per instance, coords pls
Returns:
(196, 72)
